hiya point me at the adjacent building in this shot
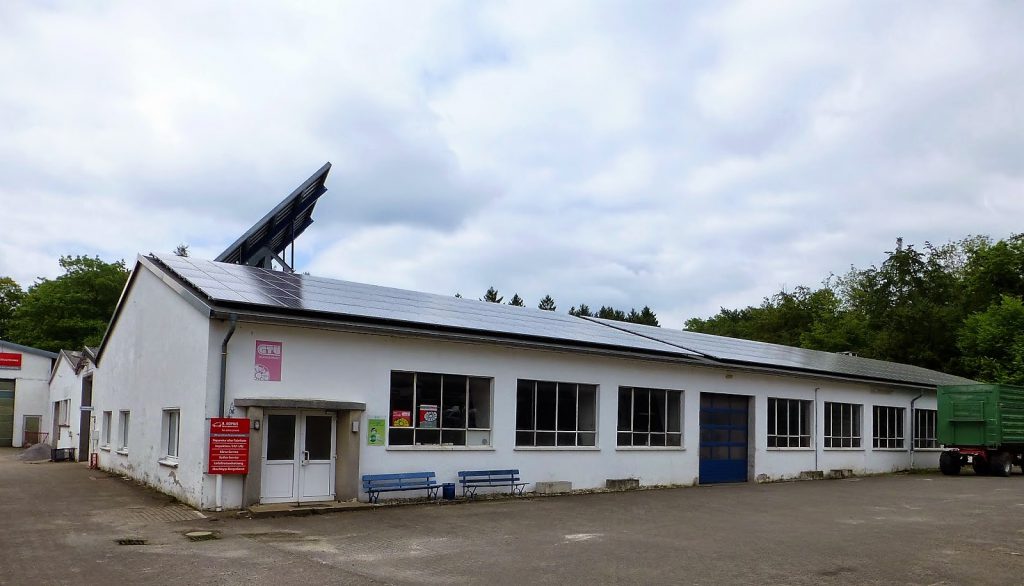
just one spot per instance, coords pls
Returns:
(341, 379)
(24, 393)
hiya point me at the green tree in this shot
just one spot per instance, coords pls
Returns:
(10, 298)
(72, 310)
(582, 311)
(645, 316)
(547, 304)
(609, 312)
(992, 342)
(517, 300)
(492, 296)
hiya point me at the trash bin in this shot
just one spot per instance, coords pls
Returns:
(448, 491)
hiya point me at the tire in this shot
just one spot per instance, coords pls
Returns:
(1001, 464)
(981, 467)
(949, 463)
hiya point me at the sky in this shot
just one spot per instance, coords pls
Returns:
(682, 155)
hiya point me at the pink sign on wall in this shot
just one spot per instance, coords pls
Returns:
(268, 360)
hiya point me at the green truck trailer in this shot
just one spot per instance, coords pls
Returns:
(981, 426)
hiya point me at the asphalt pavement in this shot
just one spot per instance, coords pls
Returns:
(61, 523)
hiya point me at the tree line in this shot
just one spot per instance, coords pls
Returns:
(645, 316)
(956, 307)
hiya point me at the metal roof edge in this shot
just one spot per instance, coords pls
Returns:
(28, 349)
(142, 261)
(452, 334)
(726, 363)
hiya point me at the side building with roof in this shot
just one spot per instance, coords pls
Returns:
(70, 421)
(23, 394)
(341, 379)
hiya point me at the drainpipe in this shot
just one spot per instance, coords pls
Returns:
(817, 442)
(913, 434)
(233, 322)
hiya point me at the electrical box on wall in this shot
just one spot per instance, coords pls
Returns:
(355, 426)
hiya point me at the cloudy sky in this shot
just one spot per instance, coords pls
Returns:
(683, 155)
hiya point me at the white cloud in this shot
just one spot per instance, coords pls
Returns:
(682, 156)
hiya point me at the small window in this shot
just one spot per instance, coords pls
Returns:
(842, 425)
(556, 414)
(431, 409)
(108, 422)
(789, 423)
(123, 425)
(170, 432)
(650, 417)
(924, 429)
(888, 427)
(64, 412)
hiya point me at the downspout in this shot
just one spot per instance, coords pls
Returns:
(913, 431)
(817, 442)
(232, 323)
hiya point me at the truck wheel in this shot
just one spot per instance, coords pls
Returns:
(949, 463)
(1001, 464)
(981, 467)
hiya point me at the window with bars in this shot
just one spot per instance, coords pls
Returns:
(924, 429)
(789, 423)
(650, 417)
(556, 414)
(842, 425)
(888, 427)
(439, 409)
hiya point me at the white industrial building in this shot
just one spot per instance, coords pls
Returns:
(556, 396)
(337, 379)
(24, 393)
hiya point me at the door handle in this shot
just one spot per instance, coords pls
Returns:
(305, 456)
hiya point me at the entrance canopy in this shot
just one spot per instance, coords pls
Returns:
(279, 403)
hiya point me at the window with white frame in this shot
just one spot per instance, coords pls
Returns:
(842, 425)
(171, 423)
(555, 414)
(431, 409)
(123, 424)
(789, 423)
(888, 427)
(108, 422)
(924, 429)
(650, 417)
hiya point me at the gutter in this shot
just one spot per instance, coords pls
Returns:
(913, 432)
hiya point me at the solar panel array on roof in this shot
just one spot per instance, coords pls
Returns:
(226, 284)
(760, 353)
(279, 228)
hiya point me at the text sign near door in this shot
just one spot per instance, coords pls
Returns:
(10, 361)
(229, 446)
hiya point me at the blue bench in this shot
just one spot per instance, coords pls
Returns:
(474, 479)
(374, 484)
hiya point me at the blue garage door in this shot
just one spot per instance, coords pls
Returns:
(723, 438)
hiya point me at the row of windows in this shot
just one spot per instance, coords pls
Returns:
(790, 424)
(447, 409)
(170, 429)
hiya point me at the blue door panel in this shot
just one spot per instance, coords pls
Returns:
(723, 438)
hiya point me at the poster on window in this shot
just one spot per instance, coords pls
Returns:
(401, 418)
(428, 417)
(375, 431)
(268, 361)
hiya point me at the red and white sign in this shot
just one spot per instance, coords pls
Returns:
(229, 446)
(10, 361)
(268, 360)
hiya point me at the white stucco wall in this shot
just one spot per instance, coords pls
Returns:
(320, 364)
(65, 385)
(155, 359)
(31, 390)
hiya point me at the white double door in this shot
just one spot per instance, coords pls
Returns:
(298, 457)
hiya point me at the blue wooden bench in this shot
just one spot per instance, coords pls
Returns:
(374, 484)
(474, 479)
